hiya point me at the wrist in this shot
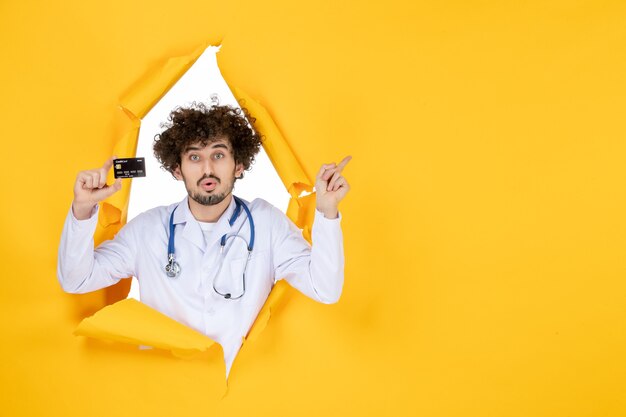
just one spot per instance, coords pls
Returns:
(329, 213)
(82, 211)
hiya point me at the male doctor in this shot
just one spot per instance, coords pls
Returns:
(222, 254)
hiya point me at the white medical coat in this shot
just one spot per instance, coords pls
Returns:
(140, 249)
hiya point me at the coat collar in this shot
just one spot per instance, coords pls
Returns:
(192, 231)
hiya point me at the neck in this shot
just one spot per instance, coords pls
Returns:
(209, 214)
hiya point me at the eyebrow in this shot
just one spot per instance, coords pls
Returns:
(215, 145)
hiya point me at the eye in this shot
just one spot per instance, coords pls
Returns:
(194, 157)
(219, 155)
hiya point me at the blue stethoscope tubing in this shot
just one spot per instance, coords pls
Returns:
(172, 269)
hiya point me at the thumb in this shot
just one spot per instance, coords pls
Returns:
(109, 190)
(117, 184)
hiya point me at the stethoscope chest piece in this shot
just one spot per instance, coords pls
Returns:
(172, 269)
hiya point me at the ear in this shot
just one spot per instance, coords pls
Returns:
(238, 170)
(177, 174)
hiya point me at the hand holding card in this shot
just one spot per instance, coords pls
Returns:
(90, 187)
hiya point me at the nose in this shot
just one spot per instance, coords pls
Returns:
(207, 167)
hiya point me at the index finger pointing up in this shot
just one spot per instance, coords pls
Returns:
(343, 163)
(109, 163)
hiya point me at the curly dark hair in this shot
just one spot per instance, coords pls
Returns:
(198, 123)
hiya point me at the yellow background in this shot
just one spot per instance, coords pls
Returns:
(484, 233)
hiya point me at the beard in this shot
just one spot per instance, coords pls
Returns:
(201, 197)
(208, 200)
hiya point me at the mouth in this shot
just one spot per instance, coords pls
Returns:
(208, 184)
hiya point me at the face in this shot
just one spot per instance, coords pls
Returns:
(209, 172)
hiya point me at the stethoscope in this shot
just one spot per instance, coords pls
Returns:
(172, 269)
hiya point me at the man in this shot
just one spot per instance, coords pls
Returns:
(211, 260)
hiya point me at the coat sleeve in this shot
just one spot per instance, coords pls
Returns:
(81, 268)
(316, 271)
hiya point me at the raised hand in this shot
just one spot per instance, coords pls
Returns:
(90, 188)
(331, 187)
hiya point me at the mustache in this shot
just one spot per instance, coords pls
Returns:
(205, 176)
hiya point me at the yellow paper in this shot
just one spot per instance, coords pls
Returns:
(272, 302)
(156, 83)
(484, 233)
(279, 152)
(130, 321)
(287, 166)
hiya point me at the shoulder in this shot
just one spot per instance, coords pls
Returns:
(266, 213)
(261, 207)
(258, 204)
(152, 217)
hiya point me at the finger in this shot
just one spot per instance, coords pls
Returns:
(328, 174)
(323, 169)
(343, 163)
(95, 176)
(88, 181)
(323, 174)
(106, 191)
(81, 179)
(103, 178)
(109, 190)
(337, 169)
(342, 186)
(338, 184)
(109, 163)
(332, 181)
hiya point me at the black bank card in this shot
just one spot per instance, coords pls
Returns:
(129, 167)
